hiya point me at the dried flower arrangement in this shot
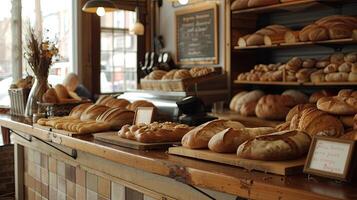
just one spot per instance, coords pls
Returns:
(39, 54)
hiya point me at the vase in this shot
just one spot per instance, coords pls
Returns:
(39, 88)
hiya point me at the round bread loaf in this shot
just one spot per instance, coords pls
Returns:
(338, 105)
(337, 58)
(317, 76)
(294, 64)
(352, 77)
(331, 68)
(254, 95)
(347, 121)
(239, 4)
(61, 91)
(297, 110)
(319, 94)
(156, 74)
(303, 75)
(169, 75)
(274, 107)
(316, 122)
(248, 109)
(322, 63)
(345, 67)
(351, 57)
(337, 77)
(309, 63)
(299, 97)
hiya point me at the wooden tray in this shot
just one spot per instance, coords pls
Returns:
(63, 132)
(274, 167)
(113, 138)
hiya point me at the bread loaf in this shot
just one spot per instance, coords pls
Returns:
(338, 105)
(337, 77)
(337, 58)
(291, 37)
(50, 96)
(294, 64)
(239, 4)
(228, 140)
(258, 3)
(283, 127)
(347, 121)
(322, 63)
(284, 145)
(139, 103)
(299, 97)
(316, 122)
(233, 104)
(314, 97)
(248, 109)
(352, 135)
(77, 111)
(117, 103)
(201, 71)
(199, 137)
(116, 117)
(182, 74)
(92, 112)
(169, 75)
(274, 107)
(61, 91)
(156, 75)
(309, 63)
(303, 75)
(351, 57)
(331, 68)
(102, 100)
(355, 122)
(345, 67)
(318, 76)
(352, 77)
(254, 95)
(297, 110)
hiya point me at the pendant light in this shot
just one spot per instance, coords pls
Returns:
(138, 28)
(99, 6)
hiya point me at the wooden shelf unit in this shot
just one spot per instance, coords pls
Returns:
(296, 83)
(287, 5)
(331, 43)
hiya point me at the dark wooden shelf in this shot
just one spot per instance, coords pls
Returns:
(296, 83)
(287, 6)
(329, 43)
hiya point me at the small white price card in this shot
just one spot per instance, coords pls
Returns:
(330, 157)
(143, 115)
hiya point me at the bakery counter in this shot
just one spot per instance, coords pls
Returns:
(53, 165)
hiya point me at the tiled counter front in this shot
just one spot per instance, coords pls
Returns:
(46, 177)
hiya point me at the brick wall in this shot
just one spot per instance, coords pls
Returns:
(7, 180)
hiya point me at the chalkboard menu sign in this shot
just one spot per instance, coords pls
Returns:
(196, 35)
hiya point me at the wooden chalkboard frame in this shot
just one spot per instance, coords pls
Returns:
(191, 10)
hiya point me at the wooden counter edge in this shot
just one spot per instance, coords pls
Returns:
(228, 184)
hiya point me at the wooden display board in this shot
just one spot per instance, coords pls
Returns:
(276, 167)
(197, 34)
(113, 138)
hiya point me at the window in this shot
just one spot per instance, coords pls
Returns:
(5, 51)
(118, 52)
(54, 19)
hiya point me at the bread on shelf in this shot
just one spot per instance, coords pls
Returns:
(284, 145)
(274, 107)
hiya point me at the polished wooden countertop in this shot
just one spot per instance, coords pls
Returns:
(223, 178)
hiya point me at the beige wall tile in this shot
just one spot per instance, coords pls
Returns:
(92, 182)
(44, 176)
(117, 191)
(70, 173)
(80, 177)
(38, 196)
(61, 169)
(91, 195)
(37, 172)
(80, 193)
(61, 184)
(44, 161)
(44, 190)
(61, 195)
(71, 189)
(30, 154)
(100, 197)
(53, 193)
(104, 187)
(37, 157)
(30, 194)
(52, 165)
(38, 186)
(53, 180)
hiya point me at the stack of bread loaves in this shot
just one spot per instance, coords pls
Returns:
(274, 107)
(154, 132)
(338, 67)
(257, 38)
(263, 143)
(179, 74)
(106, 114)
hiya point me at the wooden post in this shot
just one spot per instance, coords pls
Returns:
(19, 171)
(5, 135)
(16, 56)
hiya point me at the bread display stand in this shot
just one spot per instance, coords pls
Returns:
(247, 121)
(186, 85)
(275, 167)
(113, 138)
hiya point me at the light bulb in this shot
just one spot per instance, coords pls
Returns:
(100, 11)
(183, 2)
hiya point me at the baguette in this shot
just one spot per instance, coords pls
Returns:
(284, 145)
(228, 140)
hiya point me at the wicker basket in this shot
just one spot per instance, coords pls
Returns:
(18, 100)
(59, 109)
